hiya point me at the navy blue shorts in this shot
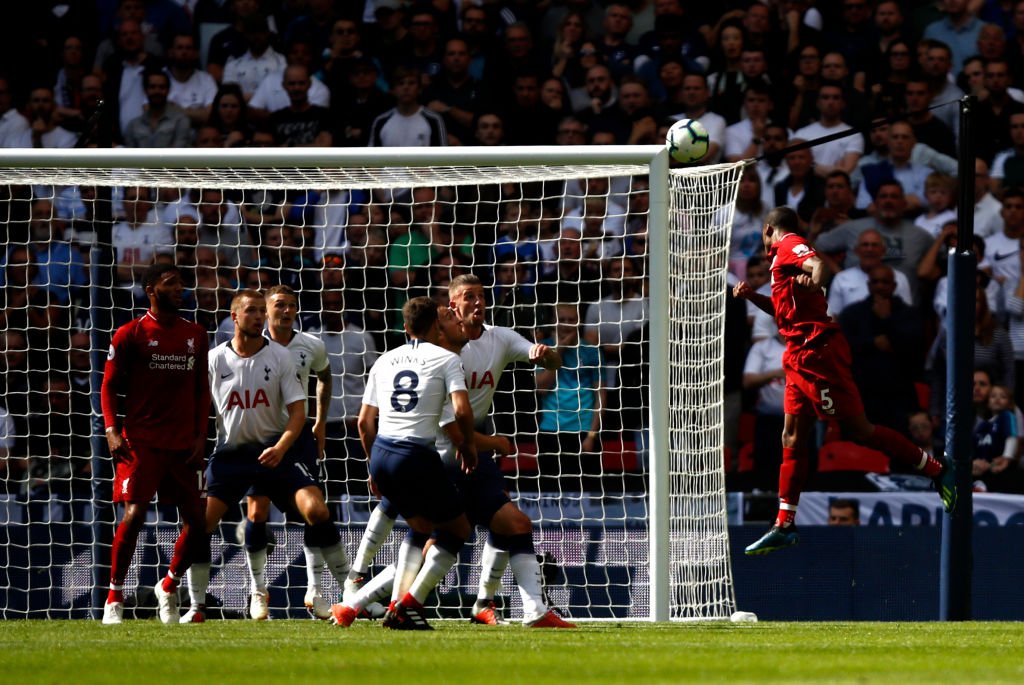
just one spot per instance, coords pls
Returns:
(483, 491)
(303, 451)
(232, 472)
(413, 478)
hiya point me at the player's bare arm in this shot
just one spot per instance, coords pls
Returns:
(545, 356)
(464, 418)
(367, 424)
(815, 274)
(323, 400)
(762, 302)
(273, 455)
(487, 443)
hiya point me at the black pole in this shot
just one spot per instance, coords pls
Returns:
(956, 557)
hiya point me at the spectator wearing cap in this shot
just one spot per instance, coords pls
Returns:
(259, 60)
(355, 106)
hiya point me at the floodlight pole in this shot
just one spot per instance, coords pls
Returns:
(957, 554)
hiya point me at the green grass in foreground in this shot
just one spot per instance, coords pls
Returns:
(84, 652)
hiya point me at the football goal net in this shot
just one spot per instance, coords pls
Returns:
(603, 252)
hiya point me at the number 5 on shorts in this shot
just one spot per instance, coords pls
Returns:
(826, 401)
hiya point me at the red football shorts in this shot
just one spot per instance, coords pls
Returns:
(818, 379)
(151, 470)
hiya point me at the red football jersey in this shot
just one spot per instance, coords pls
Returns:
(161, 369)
(800, 313)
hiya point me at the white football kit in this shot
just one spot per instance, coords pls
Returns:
(310, 356)
(410, 385)
(483, 361)
(251, 393)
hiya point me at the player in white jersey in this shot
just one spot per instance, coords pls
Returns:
(261, 411)
(310, 356)
(489, 350)
(405, 395)
(382, 585)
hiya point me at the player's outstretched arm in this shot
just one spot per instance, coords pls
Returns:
(762, 302)
(545, 356)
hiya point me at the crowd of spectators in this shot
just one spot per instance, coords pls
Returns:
(760, 76)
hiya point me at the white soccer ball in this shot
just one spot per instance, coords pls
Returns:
(743, 617)
(687, 141)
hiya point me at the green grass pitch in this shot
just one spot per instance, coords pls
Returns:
(148, 653)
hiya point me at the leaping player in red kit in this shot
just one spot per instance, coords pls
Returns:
(818, 379)
(158, 362)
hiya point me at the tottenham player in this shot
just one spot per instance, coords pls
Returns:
(484, 357)
(157, 433)
(407, 391)
(261, 413)
(309, 355)
(818, 379)
(452, 338)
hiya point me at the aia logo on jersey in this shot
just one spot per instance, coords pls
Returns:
(476, 381)
(248, 399)
(154, 343)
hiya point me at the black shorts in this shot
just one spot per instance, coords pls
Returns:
(232, 472)
(413, 479)
(482, 491)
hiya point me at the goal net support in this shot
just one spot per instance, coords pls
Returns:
(603, 252)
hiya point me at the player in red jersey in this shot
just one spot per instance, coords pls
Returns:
(157, 433)
(818, 378)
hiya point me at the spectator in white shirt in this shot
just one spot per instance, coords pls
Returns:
(257, 62)
(838, 154)
(191, 89)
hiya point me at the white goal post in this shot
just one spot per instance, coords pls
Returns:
(637, 530)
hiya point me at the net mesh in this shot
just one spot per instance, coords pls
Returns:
(356, 243)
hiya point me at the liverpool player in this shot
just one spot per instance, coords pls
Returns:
(261, 413)
(818, 378)
(157, 432)
(310, 355)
